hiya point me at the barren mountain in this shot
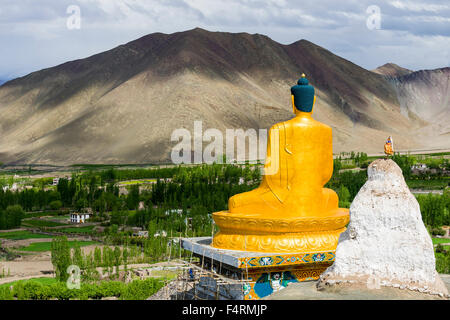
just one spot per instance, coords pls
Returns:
(392, 70)
(121, 106)
(425, 94)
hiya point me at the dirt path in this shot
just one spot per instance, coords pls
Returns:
(32, 265)
(18, 278)
(13, 230)
(40, 266)
(8, 243)
(24, 270)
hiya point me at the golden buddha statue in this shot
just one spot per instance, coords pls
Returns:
(290, 211)
(389, 147)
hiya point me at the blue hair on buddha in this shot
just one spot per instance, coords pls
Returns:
(303, 95)
(302, 82)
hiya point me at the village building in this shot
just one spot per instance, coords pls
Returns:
(76, 217)
(56, 180)
(160, 233)
(141, 234)
(123, 191)
(173, 211)
(419, 166)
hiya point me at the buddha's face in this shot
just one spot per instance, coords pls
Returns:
(296, 111)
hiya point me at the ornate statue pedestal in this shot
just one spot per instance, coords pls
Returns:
(257, 274)
(282, 235)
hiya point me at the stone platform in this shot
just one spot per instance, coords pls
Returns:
(308, 291)
(262, 273)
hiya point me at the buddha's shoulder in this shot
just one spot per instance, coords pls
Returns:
(302, 124)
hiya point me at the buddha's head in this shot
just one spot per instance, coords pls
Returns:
(303, 97)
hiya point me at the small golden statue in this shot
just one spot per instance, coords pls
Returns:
(389, 147)
(290, 211)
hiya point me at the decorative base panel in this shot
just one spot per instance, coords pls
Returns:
(289, 242)
(263, 283)
(262, 273)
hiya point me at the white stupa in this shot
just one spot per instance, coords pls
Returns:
(386, 242)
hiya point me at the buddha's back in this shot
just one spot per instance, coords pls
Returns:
(305, 164)
(290, 211)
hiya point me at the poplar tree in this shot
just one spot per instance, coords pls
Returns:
(125, 255)
(117, 260)
(77, 258)
(98, 257)
(60, 257)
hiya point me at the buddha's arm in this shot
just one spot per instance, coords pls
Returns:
(327, 158)
(293, 103)
(268, 152)
(272, 159)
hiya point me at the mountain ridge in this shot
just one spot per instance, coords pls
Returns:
(121, 105)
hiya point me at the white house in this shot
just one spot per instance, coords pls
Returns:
(177, 211)
(141, 234)
(162, 234)
(419, 166)
(79, 217)
(55, 181)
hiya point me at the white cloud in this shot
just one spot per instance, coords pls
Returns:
(418, 7)
(33, 33)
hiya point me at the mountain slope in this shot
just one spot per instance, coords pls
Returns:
(392, 70)
(121, 106)
(426, 94)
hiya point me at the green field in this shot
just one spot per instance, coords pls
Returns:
(440, 240)
(40, 214)
(428, 184)
(77, 230)
(109, 166)
(44, 281)
(137, 182)
(59, 218)
(438, 154)
(42, 223)
(167, 274)
(46, 246)
(22, 235)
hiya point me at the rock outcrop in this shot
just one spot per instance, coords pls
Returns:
(386, 242)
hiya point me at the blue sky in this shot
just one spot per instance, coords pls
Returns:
(413, 34)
